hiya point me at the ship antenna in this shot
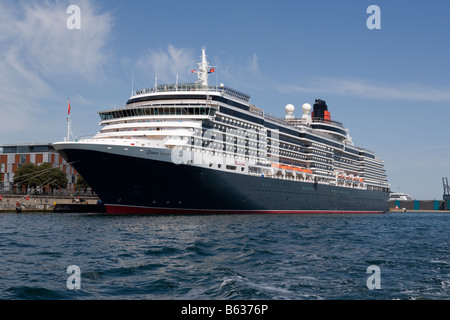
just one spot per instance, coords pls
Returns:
(132, 82)
(176, 81)
(203, 69)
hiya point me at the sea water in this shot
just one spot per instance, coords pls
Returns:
(225, 257)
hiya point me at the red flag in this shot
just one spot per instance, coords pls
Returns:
(68, 111)
(212, 70)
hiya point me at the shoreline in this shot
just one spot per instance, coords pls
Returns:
(406, 211)
(96, 208)
(19, 203)
(75, 208)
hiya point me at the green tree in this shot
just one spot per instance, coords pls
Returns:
(30, 175)
(51, 176)
(26, 176)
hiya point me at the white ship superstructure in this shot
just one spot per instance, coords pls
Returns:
(216, 126)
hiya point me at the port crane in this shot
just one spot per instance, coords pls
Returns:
(446, 196)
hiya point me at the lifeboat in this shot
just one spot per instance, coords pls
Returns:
(281, 168)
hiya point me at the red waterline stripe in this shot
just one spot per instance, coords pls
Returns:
(115, 209)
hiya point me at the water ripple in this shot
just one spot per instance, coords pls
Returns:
(286, 257)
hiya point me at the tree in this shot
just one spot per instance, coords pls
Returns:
(26, 176)
(51, 176)
(30, 175)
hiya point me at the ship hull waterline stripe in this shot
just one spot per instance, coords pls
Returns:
(123, 209)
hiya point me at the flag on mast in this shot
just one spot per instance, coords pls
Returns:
(68, 120)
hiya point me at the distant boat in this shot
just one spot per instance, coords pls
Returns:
(400, 196)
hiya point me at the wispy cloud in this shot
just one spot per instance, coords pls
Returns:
(168, 63)
(39, 38)
(244, 73)
(253, 66)
(37, 51)
(363, 88)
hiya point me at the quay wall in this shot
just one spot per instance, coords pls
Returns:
(418, 205)
(41, 203)
(46, 203)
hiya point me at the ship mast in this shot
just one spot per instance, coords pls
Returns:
(203, 69)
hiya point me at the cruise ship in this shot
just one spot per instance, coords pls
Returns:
(195, 148)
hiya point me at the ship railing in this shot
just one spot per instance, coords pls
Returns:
(86, 137)
(276, 120)
(184, 87)
(255, 110)
(290, 123)
(328, 121)
(367, 150)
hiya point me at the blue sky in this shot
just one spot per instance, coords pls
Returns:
(390, 87)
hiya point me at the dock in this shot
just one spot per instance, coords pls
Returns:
(418, 205)
(14, 203)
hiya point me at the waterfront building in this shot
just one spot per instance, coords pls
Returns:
(14, 156)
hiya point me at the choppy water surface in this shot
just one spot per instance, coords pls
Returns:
(225, 257)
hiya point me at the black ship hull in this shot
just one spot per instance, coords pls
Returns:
(139, 185)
